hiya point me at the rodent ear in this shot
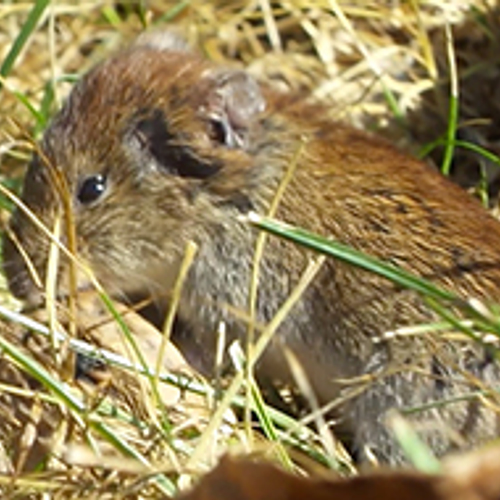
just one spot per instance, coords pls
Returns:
(151, 142)
(232, 103)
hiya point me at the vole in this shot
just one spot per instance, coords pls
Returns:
(159, 146)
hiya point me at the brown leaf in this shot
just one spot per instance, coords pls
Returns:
(469, 477)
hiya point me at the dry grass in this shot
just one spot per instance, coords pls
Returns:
(385, 66)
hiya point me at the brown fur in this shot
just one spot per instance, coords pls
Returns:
(186, 147)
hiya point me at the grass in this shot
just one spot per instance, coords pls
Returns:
(380, 66)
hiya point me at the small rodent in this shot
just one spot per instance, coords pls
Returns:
(159, 146)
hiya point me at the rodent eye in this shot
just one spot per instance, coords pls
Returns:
(91, 189)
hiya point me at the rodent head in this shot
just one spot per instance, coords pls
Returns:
(153, 147)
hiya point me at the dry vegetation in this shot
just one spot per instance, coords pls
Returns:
(401, 69)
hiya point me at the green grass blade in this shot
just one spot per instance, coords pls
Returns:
(27, 29)
(492, 157)
(351, 256)
(33, 368)
(453, 109)
(450, 136)
(172, 13)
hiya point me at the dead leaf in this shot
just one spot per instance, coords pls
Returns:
(468, 477)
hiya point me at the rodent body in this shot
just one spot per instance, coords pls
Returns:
(158, 147)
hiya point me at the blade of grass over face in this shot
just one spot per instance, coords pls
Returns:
(26, 31)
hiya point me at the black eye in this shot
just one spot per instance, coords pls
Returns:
(91, 189)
